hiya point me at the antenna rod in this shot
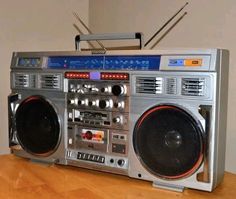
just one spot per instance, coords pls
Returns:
(87, 28)
(169, 29)
(158, 31)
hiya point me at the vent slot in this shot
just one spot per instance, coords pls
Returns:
(171, 87)
(193, 86)
(149, 85)
(24, 80)
(50, 81)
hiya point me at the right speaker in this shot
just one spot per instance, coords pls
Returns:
(178, 136)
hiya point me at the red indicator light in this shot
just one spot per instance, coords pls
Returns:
(77, 75)
(114, 76)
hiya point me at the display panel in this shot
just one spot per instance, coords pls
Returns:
(28, 62)
(136, 62)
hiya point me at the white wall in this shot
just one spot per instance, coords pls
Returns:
(208, 24)
(30, 25)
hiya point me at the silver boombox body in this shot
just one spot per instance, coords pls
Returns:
(156, 115)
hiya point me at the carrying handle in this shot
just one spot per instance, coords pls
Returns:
(109, 36)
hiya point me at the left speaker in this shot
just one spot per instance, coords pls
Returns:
(36, 124)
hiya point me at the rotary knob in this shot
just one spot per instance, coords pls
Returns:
(118, 90)
(73, 101)
(93, 89)
(119, 104)
(117, 120)
(91, 103)
(105, 104)
(121, 162)
(106, 89)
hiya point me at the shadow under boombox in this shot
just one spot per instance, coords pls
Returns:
(156, 115)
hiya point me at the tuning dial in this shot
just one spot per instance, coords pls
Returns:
(118, 90)
(105, 104)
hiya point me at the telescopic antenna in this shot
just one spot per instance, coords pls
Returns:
(158, 31)
(169, 29)
(87, 28)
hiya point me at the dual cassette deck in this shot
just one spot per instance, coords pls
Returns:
(156, 115)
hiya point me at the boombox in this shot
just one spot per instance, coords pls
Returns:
(155, 115)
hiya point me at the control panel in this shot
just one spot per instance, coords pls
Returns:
(98, 118)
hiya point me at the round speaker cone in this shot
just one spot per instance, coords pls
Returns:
(169, 142)
(37, 125)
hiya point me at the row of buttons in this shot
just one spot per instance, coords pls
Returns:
(91, 157)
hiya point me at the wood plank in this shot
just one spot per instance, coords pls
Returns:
(21, 178)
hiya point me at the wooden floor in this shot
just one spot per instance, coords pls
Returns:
(22, 179)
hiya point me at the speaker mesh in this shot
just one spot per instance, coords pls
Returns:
(37, 126)
(169, 142)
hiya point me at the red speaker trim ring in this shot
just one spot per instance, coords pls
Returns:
(200, 159)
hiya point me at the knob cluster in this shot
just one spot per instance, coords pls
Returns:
(116, 90)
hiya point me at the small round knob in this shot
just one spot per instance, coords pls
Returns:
(91, 103)
(73, 101)
(116, 120)
(105, 103)
(93, 89)
(121, 162)
(118, 90)
(105, 89)
(119, 104)
(85, 102)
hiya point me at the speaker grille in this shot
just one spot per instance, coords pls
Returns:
(50, 81)
(37, 126)
(23, 80)
(193, 86)
(168, 142)
(149, 85)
